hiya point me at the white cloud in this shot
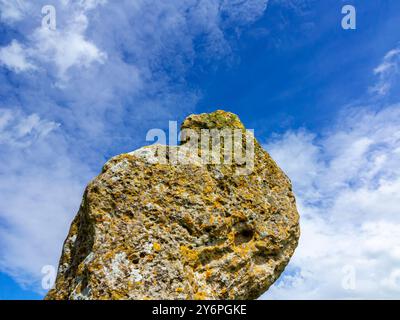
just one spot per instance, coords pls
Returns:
(347, 184)
(65, 47)
(244, 12)
(13, 10)
(152, 29)
(14, 57)
(18, 130)
(40, 181)
(387, 72)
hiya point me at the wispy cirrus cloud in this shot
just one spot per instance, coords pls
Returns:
(20, 130)
(388, 72)
(13, 10)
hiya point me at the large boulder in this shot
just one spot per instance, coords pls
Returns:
(184, 229)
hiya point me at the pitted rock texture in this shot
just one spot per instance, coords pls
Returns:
(147, 230)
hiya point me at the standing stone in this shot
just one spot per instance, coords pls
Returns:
(151, 229)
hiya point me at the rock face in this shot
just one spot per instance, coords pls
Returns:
(152, 230)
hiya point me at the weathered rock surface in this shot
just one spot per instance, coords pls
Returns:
(148, 230)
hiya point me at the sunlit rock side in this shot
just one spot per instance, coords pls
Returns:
(151, 230)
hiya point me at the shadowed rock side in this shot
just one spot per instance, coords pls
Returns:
(147, 230)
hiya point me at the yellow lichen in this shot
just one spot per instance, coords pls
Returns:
(200, 295)
(156, 246)
(190, 256)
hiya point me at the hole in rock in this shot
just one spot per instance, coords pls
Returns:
(243, 236)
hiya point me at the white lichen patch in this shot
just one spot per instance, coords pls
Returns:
(148, 247)
(135, 275)
(80, 294)
(152, 154)
(72, 239)
(121, 269)
(89, 258)
(119, 166)
(159, 154)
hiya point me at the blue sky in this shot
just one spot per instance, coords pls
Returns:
(323, 101)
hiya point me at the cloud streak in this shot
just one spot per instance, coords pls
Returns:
(387, 72)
